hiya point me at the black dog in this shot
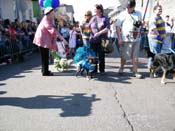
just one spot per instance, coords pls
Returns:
(167, 64)
(89, 73)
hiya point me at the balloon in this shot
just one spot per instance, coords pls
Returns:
(41, 3)
(49, 3)
(55, 3)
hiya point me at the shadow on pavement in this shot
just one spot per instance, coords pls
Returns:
(2, 84)
(14, 70)
(76, 104)
(69, 72)
(3, 92)
(113, 77)
(125, 78)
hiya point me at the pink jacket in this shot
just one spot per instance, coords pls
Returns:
(46, 34)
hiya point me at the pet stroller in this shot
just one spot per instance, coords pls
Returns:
(61, 61)
(63, 50)
(82, 59)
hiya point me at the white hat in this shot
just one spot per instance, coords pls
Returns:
(47, 10)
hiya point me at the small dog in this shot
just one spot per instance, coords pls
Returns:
(167, 64)
(61, 64)
(88, 66)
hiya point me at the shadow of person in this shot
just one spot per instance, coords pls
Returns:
(3, 92)
(76, 104)
(2, 84)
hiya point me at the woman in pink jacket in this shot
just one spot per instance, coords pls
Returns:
(45, 37)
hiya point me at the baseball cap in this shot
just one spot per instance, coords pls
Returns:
(131, 3)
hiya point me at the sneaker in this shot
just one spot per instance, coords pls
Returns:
(137, 75)
(120, 71)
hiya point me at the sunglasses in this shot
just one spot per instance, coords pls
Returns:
(87, 15)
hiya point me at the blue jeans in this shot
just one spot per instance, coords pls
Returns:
(173, 42)
(155, 48)
(144, 41)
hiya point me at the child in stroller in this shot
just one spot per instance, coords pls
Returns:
(85, 59)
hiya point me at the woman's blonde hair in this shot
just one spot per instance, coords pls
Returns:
(88, 13)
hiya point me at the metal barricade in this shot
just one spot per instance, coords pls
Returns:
(4, 49)
(15, 49)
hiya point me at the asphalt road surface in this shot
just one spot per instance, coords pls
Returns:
(110, 102)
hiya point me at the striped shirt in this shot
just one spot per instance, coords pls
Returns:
(160, 26)
(158, 23)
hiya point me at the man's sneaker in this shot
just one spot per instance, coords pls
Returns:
(137, 75)
(120, 71)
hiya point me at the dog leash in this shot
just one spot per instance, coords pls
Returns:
(172, 50)
(81, 33)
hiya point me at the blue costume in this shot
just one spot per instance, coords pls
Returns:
(81, 57)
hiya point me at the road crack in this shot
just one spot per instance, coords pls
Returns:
(122, 109)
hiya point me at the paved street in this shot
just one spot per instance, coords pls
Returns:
(30, 102)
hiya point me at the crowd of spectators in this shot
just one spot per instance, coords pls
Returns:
(16, 39)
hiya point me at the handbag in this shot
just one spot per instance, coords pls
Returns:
(107, 45)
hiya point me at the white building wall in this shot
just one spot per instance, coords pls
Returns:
(7, 9)
(29, 11)
(0, 10)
